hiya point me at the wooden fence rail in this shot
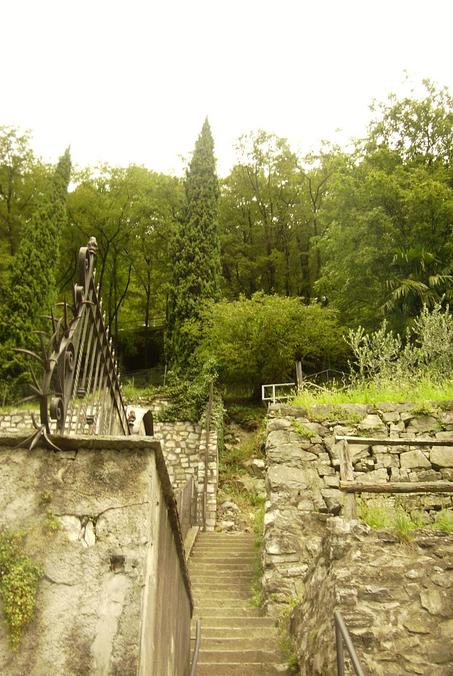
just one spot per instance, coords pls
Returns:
(350, 486)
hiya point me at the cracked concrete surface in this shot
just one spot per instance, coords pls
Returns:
(89, 606)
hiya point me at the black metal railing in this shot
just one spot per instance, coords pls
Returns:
(343, 637)
(196, 650)
(187, 505)
(80, 392)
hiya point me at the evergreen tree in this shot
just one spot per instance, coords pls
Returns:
(32, 287)
(196, 272)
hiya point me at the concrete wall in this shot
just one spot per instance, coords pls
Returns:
(115, 556)
(184, 447)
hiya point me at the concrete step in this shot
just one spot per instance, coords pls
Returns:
(238, 669)
(223, 579)
(221, 567)
(226, 633)
(224, 549)
(243, 611)
(207, 601)
(223, 560)
(223, 594)
(229, 644)
(201, 584)
(241, 656)
(237, 621)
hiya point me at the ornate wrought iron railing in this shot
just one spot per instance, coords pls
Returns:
(80, 391)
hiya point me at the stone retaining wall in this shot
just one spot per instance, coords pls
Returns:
(305, 565)
(184, 448)
(303, 477)
(396, 600)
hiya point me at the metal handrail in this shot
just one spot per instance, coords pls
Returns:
(196, 650)
(273, 398)
(342, 634)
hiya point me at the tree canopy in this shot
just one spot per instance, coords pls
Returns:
(352, 236)
(196, 251)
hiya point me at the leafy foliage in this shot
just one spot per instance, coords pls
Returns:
(387, 242)
(32, 286)
(255, 341)
(427, 354)
(19, 578)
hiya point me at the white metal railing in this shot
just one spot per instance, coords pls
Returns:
(273, 388)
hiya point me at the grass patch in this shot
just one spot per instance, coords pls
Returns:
(370, 393)
(444, 520)
(382, 513)
(133, 393)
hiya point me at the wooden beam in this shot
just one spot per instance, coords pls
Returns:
(372, 441)
(398, 487)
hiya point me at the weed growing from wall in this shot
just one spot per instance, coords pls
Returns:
(19, 579)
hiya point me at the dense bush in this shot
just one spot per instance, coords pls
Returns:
(255, 341)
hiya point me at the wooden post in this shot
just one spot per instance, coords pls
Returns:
(299, 376)
(347, 475)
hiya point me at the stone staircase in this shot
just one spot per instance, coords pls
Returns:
(236, 639)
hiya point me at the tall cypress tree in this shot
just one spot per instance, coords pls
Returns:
(32, 288)
(196, 272)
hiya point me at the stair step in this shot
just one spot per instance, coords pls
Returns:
(236, 639)
(243, 611)
(224, 594)
(222, 565)
(237, 643)
(239, 669)
(232, 621)
(201, 584)
(226, 633)
(217, 559)
(244, 656)
(210, 576)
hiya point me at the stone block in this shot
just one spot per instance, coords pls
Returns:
(332, 481)
(372, 422)
(442, 456)
(283, 478)
(278, 424)
(375, 476)
(423, 424)
(326, 470)
(395, 428)
(391, 416)
(277, 438)
(425, 475)
(334, 499)
(412, 459)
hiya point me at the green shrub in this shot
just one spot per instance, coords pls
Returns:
(19, 579)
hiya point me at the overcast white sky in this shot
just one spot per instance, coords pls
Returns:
(131, 81)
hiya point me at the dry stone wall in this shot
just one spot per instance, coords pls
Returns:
(184, 448)
(396, 599)
(303, 499)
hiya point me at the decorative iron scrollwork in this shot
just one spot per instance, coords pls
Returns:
(80, 391)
